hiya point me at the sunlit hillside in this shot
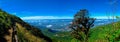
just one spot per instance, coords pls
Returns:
(13, 29)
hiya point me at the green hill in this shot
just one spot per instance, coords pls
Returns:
(13, 28)
(58, 36)
(105, 33)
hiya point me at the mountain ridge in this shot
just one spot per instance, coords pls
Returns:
(9, 21)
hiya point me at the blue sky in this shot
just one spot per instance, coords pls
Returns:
(58, 8)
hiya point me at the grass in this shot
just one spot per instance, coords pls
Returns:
(105, 33)
(28, 37)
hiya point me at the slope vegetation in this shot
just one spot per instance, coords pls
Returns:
(106, 33)
(14, 29)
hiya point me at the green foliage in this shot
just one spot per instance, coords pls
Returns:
(81, 25)
(5, 23)
(118, 18)
(106, 33)
(21, 37)
(74, 40)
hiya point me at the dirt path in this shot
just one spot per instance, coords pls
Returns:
(9, 37)
(12, 37)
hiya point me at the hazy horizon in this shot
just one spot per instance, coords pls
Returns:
(59, 9)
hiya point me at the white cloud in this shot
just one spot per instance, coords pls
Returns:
(48, 26)
(62, 17)
(46, 17)
(104, 17)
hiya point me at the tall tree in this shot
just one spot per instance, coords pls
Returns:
(81, 25)
(118, 18)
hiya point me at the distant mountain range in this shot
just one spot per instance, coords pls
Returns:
(62, 24)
